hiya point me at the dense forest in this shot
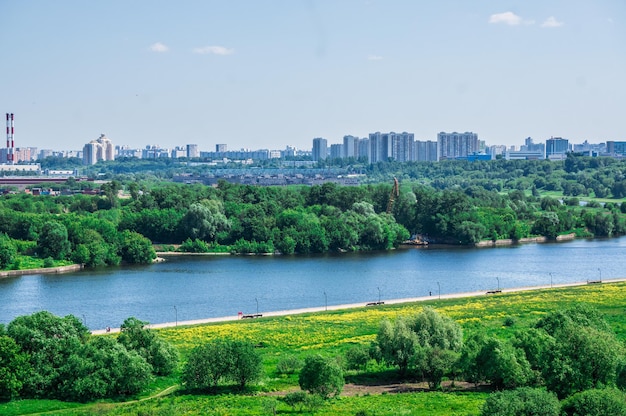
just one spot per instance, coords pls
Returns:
(447, 202)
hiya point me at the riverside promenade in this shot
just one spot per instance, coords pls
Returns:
(434, 296)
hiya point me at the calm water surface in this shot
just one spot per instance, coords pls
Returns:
(204, 287)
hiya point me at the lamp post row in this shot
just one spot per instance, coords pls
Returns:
(379, 296)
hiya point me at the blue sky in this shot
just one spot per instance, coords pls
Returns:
(267, 74)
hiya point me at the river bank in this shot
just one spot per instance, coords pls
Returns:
(325, 308)
(46, 270)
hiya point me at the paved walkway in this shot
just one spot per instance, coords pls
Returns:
(360, 305)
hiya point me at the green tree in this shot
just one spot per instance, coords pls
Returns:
(585, 353)
(204, 220)
(321, 376)
(49, 341)
(523, 401)
(8, 251)
(102, 368)
(440, 340)
(160, 354)
(398, 344)
(246, 363)
(503, 365)
(53, 241)
(14, 368)
(600, 402)
(207, 366)
(136, 249)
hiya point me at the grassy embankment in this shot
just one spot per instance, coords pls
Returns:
(332, 333)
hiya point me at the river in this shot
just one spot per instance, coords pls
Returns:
(188, 288)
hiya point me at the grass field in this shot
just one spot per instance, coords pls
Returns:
(331, 334)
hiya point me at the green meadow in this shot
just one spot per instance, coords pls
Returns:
(332, 334)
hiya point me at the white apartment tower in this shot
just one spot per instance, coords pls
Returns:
(97, 150)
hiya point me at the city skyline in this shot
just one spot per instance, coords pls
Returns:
(277, 74)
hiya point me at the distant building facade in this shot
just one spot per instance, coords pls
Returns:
(320, 149)
(557, 148)
(192, 151)
(457, 145)
(97, 150)
(350, 146)
(616, 149)
(336, 151)
(425, 151)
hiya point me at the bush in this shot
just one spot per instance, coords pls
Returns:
(222, 360)
(521, 402)
(295, 399)
(357, 357)
(509, 321)
(289, 365)
(321, 376)
(596, 403)
(195, 246)
(48, 262)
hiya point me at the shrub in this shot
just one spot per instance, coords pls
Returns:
(222, 360)
(524, 401)
(295, 399)
(357, 357)
(596, 403)
(289, 365)
(321, 376)
(195, 246)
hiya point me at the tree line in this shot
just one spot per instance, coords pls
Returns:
(106, 229)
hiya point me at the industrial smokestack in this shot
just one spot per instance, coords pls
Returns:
(10, 137)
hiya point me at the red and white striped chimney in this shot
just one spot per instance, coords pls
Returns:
(10, 137)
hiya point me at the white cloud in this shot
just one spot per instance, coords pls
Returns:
(215, 50)
(508, 18)
(374, 58)
(159, 47)
(552, 22)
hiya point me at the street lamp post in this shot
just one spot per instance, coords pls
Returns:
(175, 316)
(498, 279)
(325, 301)
(439, 287)
(550, 280)
(378, 294)
(600, 271)
(257, 305)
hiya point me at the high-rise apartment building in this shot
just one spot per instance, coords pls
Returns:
(192, 151)
(402, 146)
(221, 148)
(379, 147)
(350, 146)
(336, 151)
(97, 150)
(425, 151)
(455, 145)
(320, 149)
